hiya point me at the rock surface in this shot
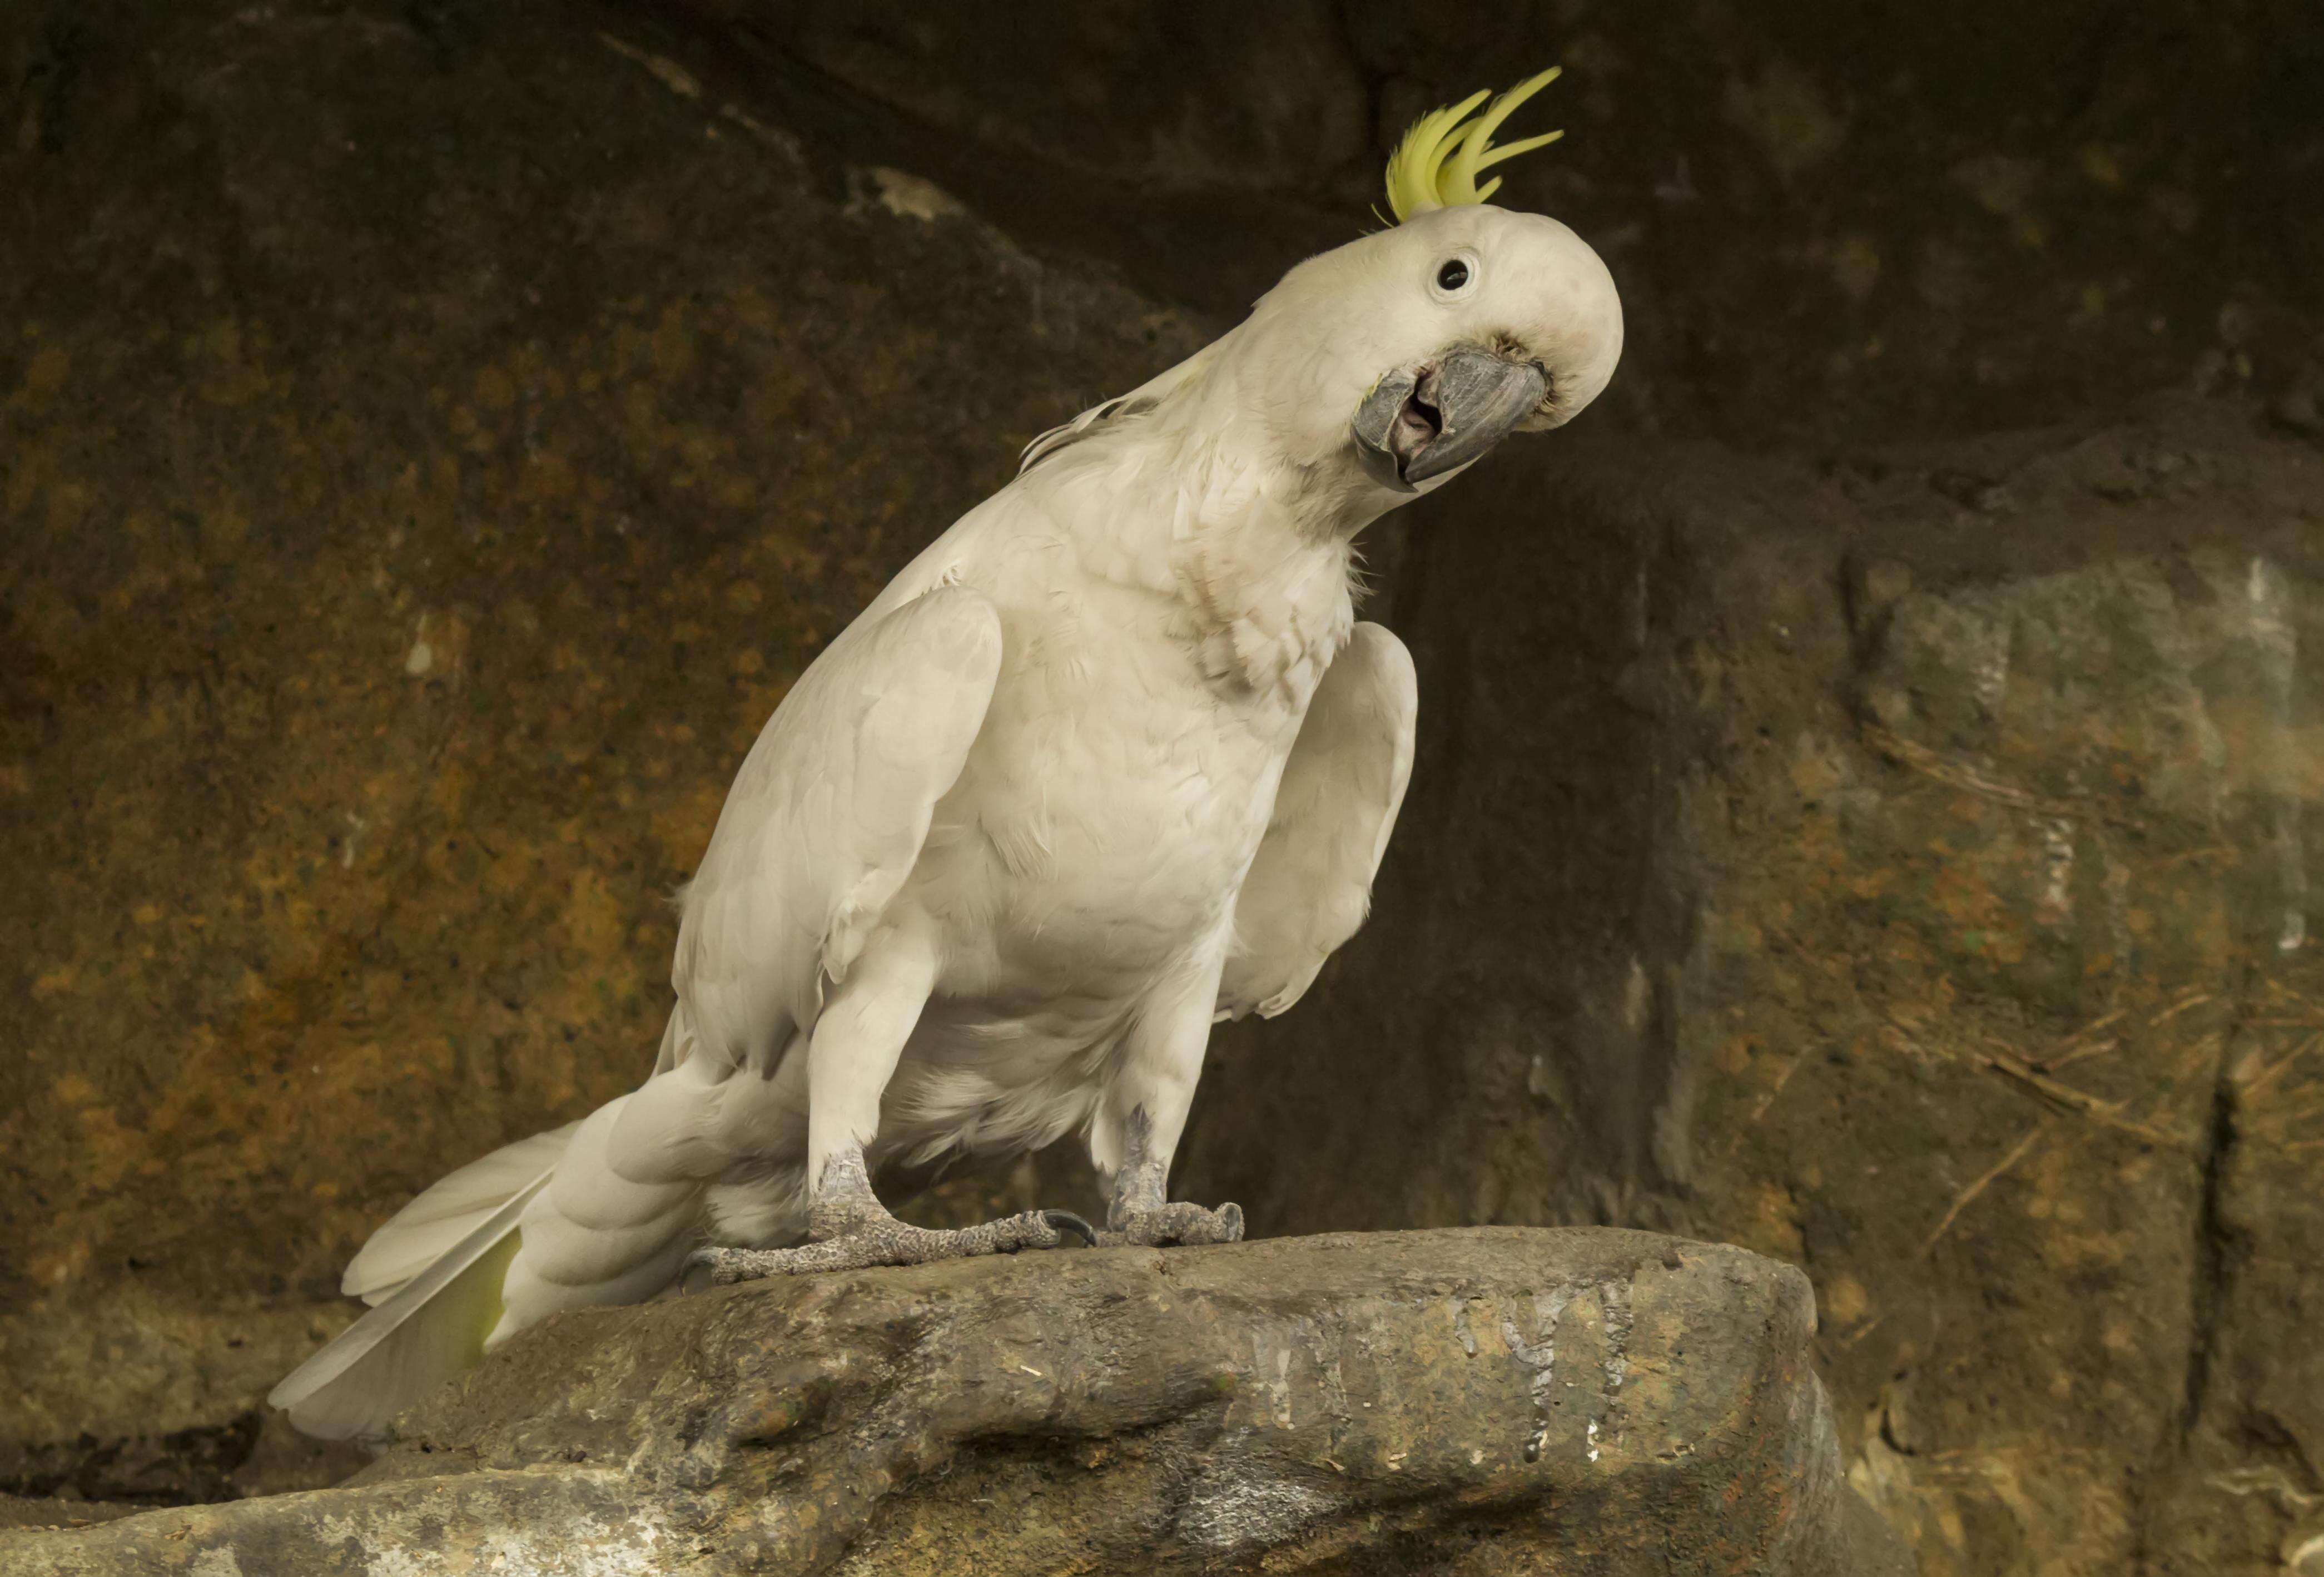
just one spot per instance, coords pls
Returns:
(1476, 1402)
(1911, 872)
(429, 447)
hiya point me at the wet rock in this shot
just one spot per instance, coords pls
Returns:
(1483, 1401)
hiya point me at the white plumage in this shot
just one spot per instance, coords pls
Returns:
(1110, 758)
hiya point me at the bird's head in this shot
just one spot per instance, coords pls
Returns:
(1408, 354)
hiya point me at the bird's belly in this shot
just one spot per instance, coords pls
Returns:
(975, 1081)
(1081, 861)
(1089, 855)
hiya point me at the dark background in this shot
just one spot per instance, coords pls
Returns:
(1871, 764)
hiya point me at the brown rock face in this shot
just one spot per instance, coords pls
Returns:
(1905, 873)
(418, 494)
(1480, 1402)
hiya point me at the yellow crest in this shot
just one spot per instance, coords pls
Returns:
(1437, 163)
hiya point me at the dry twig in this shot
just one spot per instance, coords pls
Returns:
(1953, 773)
(2017, 1154)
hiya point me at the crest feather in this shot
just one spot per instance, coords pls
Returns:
(1437, 162)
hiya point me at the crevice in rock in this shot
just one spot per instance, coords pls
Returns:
(2218, 1245)
(186, 1467)
(2211, 1255)
(2260, 1432)
(53, 78)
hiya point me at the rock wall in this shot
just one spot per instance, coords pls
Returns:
(1869, 779)
(433, 441)
(1907, 872)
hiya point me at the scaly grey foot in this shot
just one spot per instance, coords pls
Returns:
(893, 1242)
(1165, 1224)
(848, 1229)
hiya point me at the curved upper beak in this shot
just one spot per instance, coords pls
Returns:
(1414, 425)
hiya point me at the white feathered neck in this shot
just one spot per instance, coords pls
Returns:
(1178, 487)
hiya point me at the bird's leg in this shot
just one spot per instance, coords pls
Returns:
(1144, 1113)
(851, 1057)
(1139, 1212)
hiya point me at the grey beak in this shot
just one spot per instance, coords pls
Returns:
(1411, 428)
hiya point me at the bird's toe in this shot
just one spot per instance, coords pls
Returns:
(1067, 1225)
(1180, 1225)
(716, 1267)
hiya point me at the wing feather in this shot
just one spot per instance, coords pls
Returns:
(1139, 402)
(826, 819)
(1311, 885)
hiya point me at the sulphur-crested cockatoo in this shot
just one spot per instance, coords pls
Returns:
(1111, 760)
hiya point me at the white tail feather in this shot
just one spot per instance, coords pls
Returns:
(418, 1339)
(431, 1323)
(547, 1223)
(431, 1225)
(614, 1222)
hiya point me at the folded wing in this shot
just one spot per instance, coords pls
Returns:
(1311, 885)
(826, 819)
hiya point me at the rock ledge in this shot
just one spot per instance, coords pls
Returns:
(1484, 1401)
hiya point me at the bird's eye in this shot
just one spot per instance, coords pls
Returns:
(1456, 276)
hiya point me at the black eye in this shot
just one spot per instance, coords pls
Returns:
(1453, 275)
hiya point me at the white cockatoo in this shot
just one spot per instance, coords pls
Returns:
(1110, 761)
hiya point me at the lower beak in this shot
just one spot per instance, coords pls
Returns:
(1415, 426)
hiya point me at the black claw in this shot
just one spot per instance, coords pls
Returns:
(1066, 1220)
